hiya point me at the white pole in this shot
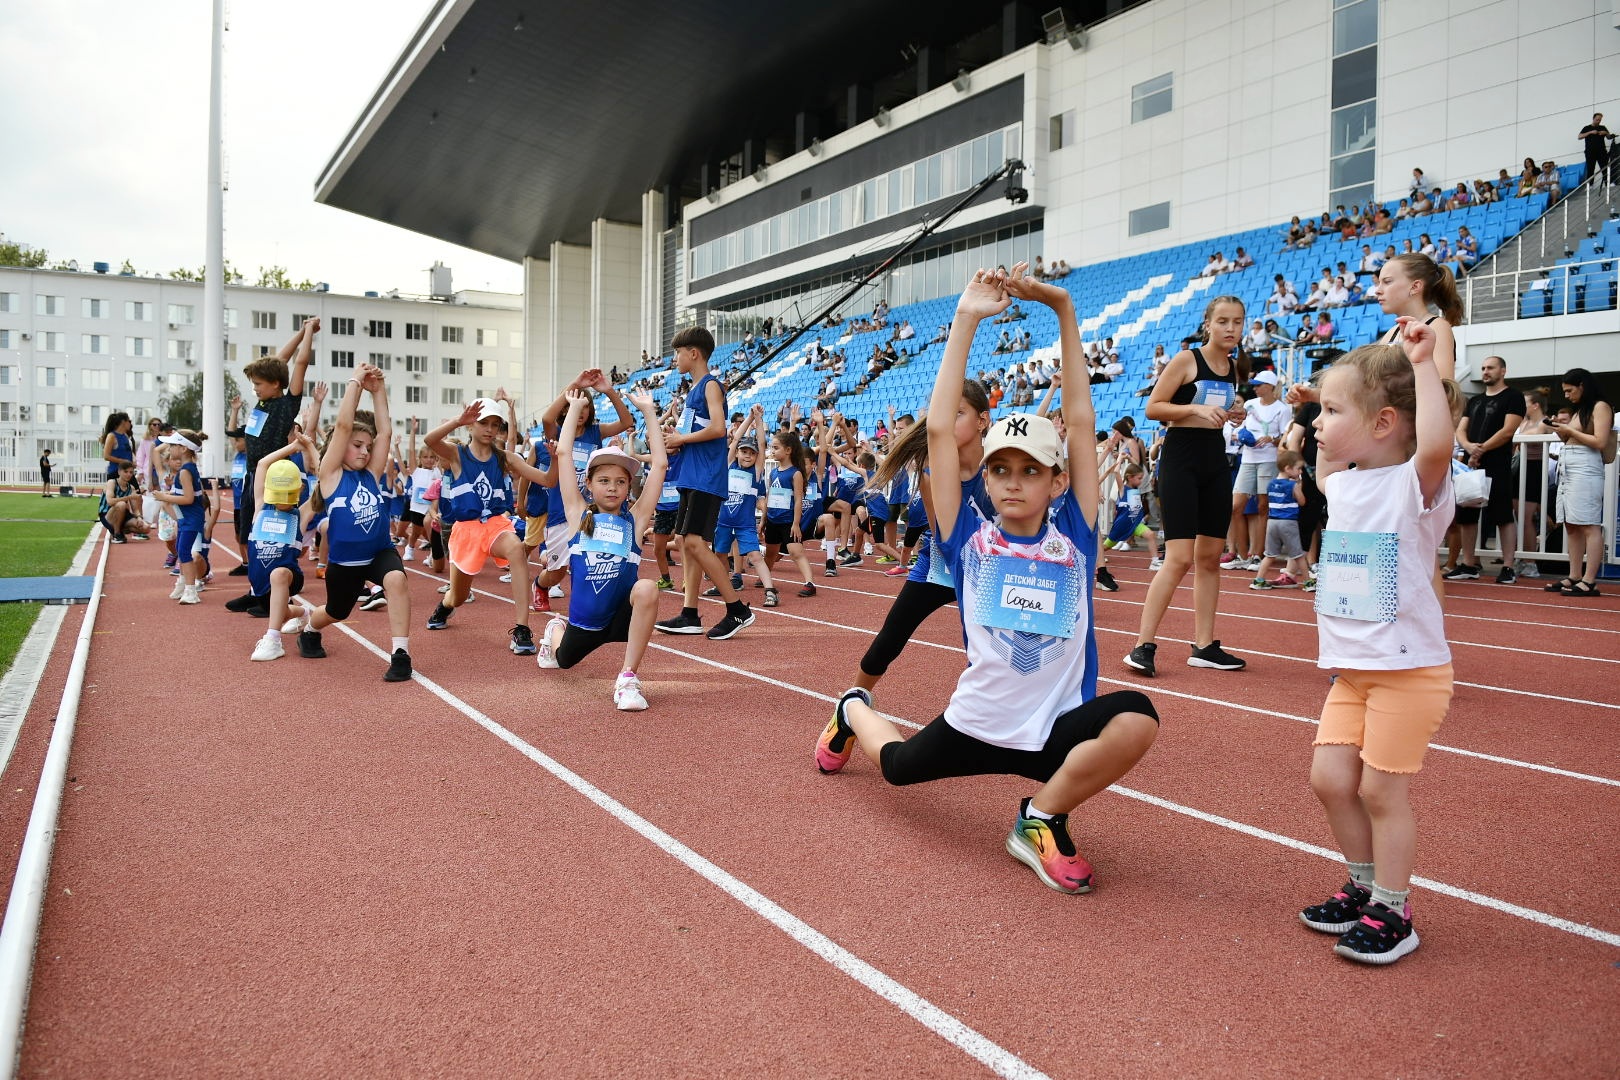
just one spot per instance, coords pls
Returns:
(213, 370)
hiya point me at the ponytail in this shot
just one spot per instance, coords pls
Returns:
(912, 447)
(1439, 287)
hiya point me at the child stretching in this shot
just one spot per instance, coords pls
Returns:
(475, 498)
(737, 525)
(1027, 704)
(785, 503)
(607, 601)
(1129, 513)
(276, 541)
(1285, 493)
(359, 548)
(1380, 627)
(187, 497)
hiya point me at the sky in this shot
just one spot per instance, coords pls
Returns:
(105, 134)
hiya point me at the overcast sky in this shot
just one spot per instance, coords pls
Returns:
(103, 137)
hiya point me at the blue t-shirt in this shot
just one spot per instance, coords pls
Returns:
(192, 515)
(701, 466)
(357, 519)
(238, 475)
(265, 556)
(602, 569)
(1280, 502)
(930, 566)
(480, 490)
(742, 497)
(123, 447)
(538, 502)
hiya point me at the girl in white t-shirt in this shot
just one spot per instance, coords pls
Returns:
(1384, 462)
(1027, 704)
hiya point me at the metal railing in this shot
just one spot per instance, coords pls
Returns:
(1491, 290)
(1552, 290)
(1547, 500)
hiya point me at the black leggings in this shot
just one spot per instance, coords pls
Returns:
(1195, 484)
(917, 601)
(1312, 512)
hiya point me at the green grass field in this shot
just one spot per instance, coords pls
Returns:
(31, 547)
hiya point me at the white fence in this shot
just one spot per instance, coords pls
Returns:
(1531, 540)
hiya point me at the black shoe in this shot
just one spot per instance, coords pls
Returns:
(1105, 580)
(522, 643)
(832, 569)
(728, 626)
(1380, 936)
(1506, 576)
(1338, 914)
(116, 539)
(1141, 658)
(440, 617)
(240, 571)
(1213, 656)
(1462, 572)
(243, 602)
(399, 667)
(374, 601)
(851, 559)
(261, 610)
(808, 590)
(309, 645)
(680, 624)
(736, 582)
(712, 591)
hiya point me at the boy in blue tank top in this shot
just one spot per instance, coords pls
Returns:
(700, 476)
(359, 548)
(738, 526)
(1283, 542)
(608, 600)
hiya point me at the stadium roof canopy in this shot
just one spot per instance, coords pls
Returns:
(505, 126)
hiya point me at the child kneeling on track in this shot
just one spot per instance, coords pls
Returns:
(738, 522)
(190, 503)
(276, 540)
(475, 498)
(1286, 493)
(607, 600)
(1380, 626)
(1027, 704)
(359, 548)
(1129, 515)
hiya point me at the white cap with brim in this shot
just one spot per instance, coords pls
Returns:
(612, 455)
(1034, 435)
(488, 407)
(178, 439)
(1267, 378)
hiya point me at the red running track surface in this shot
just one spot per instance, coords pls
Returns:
(294, 869)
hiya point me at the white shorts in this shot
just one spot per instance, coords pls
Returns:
(556, 556)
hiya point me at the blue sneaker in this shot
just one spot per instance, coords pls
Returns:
(440, 617)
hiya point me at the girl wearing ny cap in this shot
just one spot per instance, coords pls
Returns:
(1027, 704)
(476, 497)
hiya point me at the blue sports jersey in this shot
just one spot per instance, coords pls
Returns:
(931, 565)
(238, 476)
(779, 496)
(1280, 502)
(191, 515)
(263, 557)
(480, 490)
(602, 569)
(1128, 514)
(538, 501)
(702, 465)
(357, 520)
(743, 489)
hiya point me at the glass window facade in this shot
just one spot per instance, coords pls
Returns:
(1353, 126)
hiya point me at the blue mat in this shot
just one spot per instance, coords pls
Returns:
(46, 590)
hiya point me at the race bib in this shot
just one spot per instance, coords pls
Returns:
(939, 568)
(238, 469)
(1213, 392)
(274, 526)
(670, 493)
(1027, 596)
(610, 534)
(739, 483)
(812, 491)
(255, 422)
(1358, 576)
(582, 457)
(779, 498)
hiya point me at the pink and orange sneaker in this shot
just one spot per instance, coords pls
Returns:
(897, 571)
(1044, 846)
(837, 740)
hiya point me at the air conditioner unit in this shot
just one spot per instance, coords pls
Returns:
(73, 408)
(190, 362)
(417, 376)
(27, 337)
(24, 411)
(174, 326)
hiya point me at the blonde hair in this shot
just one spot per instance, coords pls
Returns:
(1381, 376)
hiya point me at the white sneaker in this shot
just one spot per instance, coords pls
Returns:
(445, 587)
(189, 596)
(409, 555)
(1123, 545)
(179, 589)
(269, 648)
(1156, 563)
(296, 625)
(627, 696)
(1528, 569)
(1231, 561)
(506, 578)
(556, 592)
(544, 655)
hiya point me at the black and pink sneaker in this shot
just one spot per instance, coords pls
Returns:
(1338, 914)
(1381, 936)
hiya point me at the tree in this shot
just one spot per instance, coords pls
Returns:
(14, 254)
(127, 268)
(274, 277)
(183, 408)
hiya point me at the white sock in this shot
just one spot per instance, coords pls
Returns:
(402, 643)
(1034, 813)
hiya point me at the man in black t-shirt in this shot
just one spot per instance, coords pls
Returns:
(1596, 137)
(1486, 432)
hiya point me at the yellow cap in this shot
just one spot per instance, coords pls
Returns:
(283, 483)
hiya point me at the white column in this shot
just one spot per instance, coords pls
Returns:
(213, 315)
(540, 380)
(652, 273)
(615, 294)
(570, 321)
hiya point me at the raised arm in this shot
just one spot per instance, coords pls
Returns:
(435, 439)
(305, 349)
(337, 446)
(373, 380)
(984, 298)
(648, 503)
(1434, 434)
(1079, 414)
(626, 419)
(573, 501)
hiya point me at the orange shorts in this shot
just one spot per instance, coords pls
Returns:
(470, 542)
(1391, 715)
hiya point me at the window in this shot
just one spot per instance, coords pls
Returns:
(1353, 124)
(1151, 98)
(230, 352)
(260, 351)
(10, 302)
(450, 395)
(416, 395)
(417, 364)
(342, 358)
(95, 416)
(449, 365)
(48, 342)
(183, 350)
(382, 360)
(139, 311)
(1150, 219)
(48, 413)
(416, 331)
(49, 376)
(91, 308)
(8, 339)
(1355, 25)
(489, 337)
(264, 320)
(514, 338)
(1355, 76)
(230, 318)
(50, 305)
(451, 335)
(380, 328)
(343, 326)
(138, 381)
(1060, 133)
(8, 375)
(478, 368)
(299, 321)
(514, 370)
(97, 344)
(182, 314)
(138, 346)
(7, 413)
(95, 378)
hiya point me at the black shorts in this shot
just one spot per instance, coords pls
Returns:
(577, 644)
(1195, 484)
(698, 513)
(664, 522)
(777, 533)
(874, 525)
(1499, 511)
(913, 534)
(939, 751)
(411, 517)
(345, 583)
(436, 543)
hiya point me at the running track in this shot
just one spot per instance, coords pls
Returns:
(294, 869)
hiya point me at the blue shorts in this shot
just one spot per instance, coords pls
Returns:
(746, 536)
(184, 540)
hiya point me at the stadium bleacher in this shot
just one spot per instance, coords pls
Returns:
(1142, 301)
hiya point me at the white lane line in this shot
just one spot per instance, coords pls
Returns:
(993, 1056)
(675, 848)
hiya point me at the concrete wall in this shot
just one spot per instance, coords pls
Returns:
(616, 273)
(570, 309)
(540, 380)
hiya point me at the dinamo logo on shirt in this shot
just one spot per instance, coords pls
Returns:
(482, 487)
(267, 553)
(601, 569)
(365, 507)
